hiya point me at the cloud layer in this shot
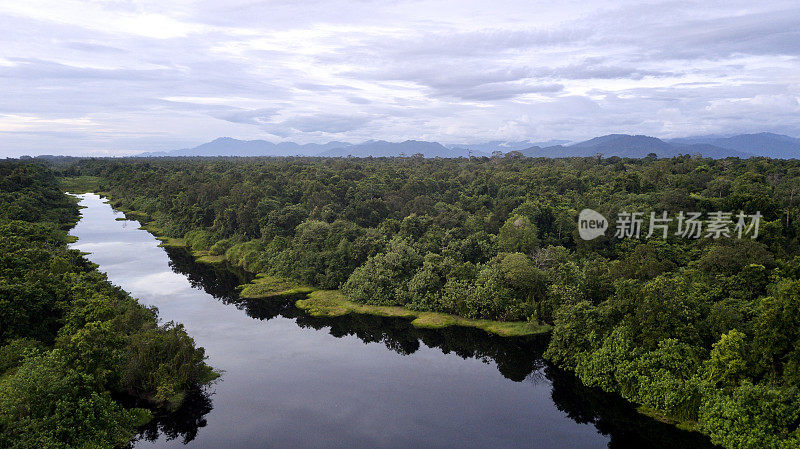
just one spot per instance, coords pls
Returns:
(108, 77)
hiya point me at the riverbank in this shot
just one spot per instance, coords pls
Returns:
(332, 303)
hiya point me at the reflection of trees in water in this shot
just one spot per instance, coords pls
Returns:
(617, 418)
(518, 359)
(183, 423)
(218, 281)
(515, 358)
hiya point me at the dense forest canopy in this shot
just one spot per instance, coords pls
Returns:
(704, 331)
(72, 346)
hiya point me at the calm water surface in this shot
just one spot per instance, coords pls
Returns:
(294, 381)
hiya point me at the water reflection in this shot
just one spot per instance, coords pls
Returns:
(517, 359)
(181, 424)
(615, 417)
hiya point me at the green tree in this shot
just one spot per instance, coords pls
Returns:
(47, 404)
(518, 235)
(728, 363)
(753, 417)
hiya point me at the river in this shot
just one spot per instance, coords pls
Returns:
(295, 381)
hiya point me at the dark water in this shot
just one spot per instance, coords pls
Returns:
(294, 381)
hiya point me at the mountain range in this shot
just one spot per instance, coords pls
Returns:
(623, 145)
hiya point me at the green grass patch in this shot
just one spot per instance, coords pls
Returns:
(264, 286)
(687, 425)
(206, 257)
(171, 242)
(502, 328)
(80, 184)
(332, 303)
(142, 416)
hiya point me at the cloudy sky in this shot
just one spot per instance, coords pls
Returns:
(113, 77)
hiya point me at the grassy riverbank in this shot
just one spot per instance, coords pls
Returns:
(265, 286)
(333, 302)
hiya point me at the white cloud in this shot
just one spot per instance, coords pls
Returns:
(103, 17)
(118, 76)
(14, 122)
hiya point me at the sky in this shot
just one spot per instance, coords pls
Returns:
(119, 77)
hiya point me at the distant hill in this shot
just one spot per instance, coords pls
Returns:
(487, 148)
(226, 146)
(712, 151)
(622, 145)
(626, 145)
(762, 144)
(382, 148)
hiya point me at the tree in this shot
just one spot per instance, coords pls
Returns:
(777, 330)
(520, 273)
(728, 363)
(45, 403)
(753, 417)
(518, 235)
(575, 334)
(377, 281)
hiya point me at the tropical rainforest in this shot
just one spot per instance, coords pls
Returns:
(703, 332)
(82, 364)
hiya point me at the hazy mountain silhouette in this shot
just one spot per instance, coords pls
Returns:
(625, 145)
(487, 148)
(227, 146)
(622, 145)
(762, 144)
(382, 148)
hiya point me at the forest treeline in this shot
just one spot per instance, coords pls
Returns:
(702, 331)
(73, 347)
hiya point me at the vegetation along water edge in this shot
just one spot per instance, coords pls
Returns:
(700, 331)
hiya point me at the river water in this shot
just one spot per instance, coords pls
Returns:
(294, 381)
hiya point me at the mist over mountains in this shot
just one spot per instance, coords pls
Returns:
(623, 145)
(777, 145)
